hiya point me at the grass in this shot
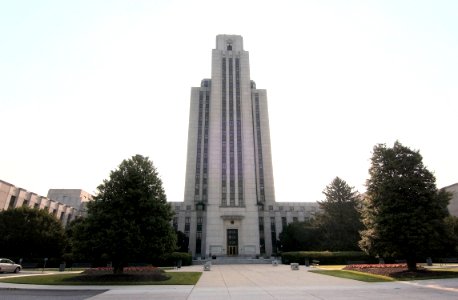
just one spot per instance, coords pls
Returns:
(454, 269)
(432, 274)
(176, 278)
(368, 277)
(331, 267)
(354, 275)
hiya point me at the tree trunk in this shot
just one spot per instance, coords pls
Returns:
(118, 268)
(411, 264)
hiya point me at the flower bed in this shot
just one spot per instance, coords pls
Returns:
(132, 274)
(374, 266)
(390, 270)
(127, 270)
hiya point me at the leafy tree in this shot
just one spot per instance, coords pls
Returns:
(71, 232)
(340, 220)
(30, 233)
(403, 212)
(451, 223)
(182, 242)
(299, 236)
(129, 219)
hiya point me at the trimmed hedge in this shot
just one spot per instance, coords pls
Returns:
(327, 257)
(173, 258)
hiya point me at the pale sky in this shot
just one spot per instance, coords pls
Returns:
(86, 84)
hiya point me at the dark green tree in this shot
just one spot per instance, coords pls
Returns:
(403, 212)
(129, 219)
(299, 236)
(451, 223)
(71, 230)
(30, 233)
(182, 242)
(340, 220)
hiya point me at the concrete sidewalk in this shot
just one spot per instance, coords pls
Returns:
(269, 282)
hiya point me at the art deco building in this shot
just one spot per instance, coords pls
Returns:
(229, 206)
(64, 204)
(453, 204)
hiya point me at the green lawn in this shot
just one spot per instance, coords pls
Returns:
(435, 274)
(330, 267)
(353, 275)
(177, 278)
(366, 277)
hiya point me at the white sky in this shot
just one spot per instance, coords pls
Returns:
(86, 84)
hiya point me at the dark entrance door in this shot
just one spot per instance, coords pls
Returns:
(232, 242)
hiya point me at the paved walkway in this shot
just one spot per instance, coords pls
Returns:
(267, 282)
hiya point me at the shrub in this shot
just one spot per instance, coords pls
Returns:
(130, 274)
(327, 257)
(172, 258)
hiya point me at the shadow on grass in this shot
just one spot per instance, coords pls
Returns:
(422, 274)
(400, 276)
(353, 275)
(172, 278)
(116, 278)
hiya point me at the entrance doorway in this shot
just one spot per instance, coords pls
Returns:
(232, 242)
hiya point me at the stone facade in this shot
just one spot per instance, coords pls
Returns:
(229, 203)
(65, 211)
(71, 197)
(453, 204)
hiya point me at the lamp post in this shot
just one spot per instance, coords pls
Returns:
(44, 264)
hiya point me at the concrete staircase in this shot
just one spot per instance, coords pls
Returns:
(234, 260)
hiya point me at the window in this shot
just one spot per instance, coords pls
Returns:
(69, 219)
(199, 220)
(262, 245)
(187, 224)
(272, 224)
(12, 201)
(198, 242)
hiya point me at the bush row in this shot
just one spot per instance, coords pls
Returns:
(327, 257)
(169, 260)
(173, 258)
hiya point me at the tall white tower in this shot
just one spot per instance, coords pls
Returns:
(229, 177)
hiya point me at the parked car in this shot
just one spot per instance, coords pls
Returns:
(7, 265)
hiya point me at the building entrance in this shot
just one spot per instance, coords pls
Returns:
(232, 242)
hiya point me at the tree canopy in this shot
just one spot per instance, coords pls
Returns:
(129, 219)
(451, 223)
(298, 236)
(339, 222)
(30, 233)
(403, 212)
